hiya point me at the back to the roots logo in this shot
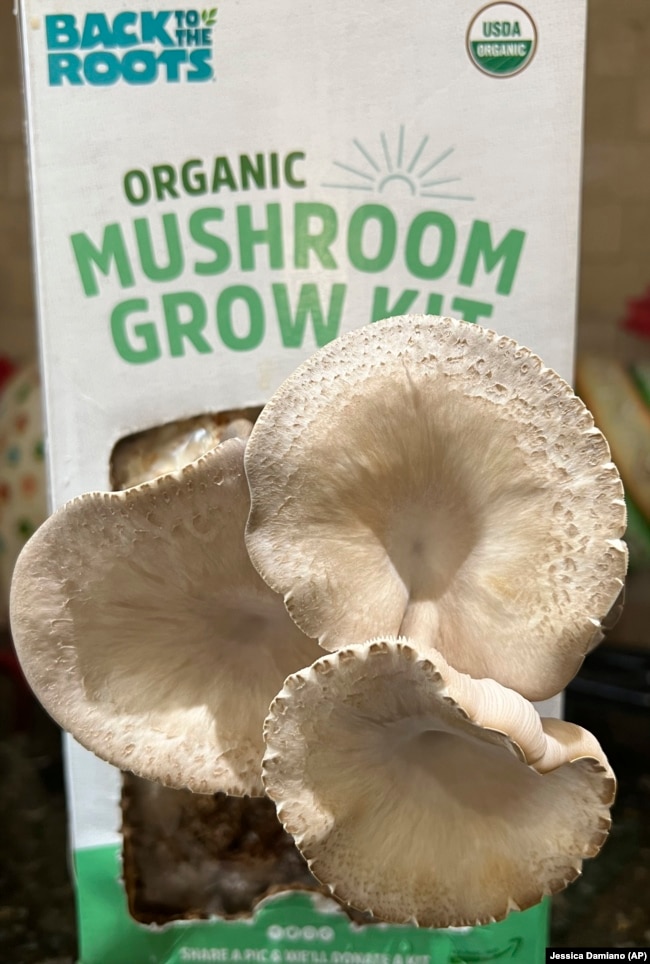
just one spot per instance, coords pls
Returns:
(502, 39)
(132, 47)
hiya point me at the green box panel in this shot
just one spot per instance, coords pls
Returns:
(291, 928)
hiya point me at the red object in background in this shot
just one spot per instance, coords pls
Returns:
(7, 369)
(9, 665)
(637, 319)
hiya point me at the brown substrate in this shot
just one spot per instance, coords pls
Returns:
(189, 855)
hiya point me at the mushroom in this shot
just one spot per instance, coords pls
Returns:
(146, 633)
(435, 480)
(422, 795)
(166, 448)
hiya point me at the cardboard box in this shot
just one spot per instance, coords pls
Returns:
(217, 192)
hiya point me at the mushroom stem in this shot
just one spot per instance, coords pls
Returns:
(421, 622)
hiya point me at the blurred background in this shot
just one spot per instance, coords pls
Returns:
(610, 905)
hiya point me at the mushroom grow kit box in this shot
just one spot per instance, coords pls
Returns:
(219, 193)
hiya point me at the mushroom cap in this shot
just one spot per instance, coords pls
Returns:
(146, 633)
(426, 477)
(425, 796)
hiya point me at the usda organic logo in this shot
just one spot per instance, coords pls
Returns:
(502, 39)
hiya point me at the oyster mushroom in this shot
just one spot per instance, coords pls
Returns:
(166, 448)
(146, 633)
(435, 480)
(422, 795)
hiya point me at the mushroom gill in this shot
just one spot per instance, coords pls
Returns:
(145, 631)
(421, 795)
(427, 477)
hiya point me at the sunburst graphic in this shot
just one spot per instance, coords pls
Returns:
(385, 168)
